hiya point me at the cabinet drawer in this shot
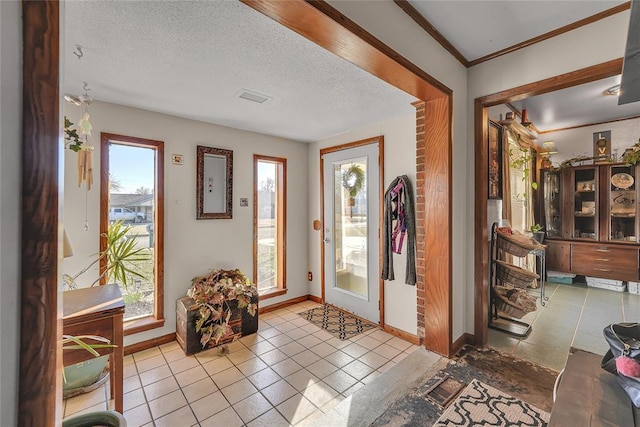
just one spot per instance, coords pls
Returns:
(608, 272)
(604, 257)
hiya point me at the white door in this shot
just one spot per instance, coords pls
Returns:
(351, 230)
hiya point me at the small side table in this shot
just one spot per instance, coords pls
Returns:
(97, 311)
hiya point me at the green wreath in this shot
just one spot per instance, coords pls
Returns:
(353, 180)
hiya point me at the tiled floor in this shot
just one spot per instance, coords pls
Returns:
(574, 316)
(286, 372)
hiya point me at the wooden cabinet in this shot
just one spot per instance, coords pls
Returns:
(590, 216)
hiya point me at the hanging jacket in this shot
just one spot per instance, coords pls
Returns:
(399, 208)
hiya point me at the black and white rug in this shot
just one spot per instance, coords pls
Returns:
(482, 405)
(339, 323)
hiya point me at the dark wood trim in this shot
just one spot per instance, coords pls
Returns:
(282, 304)
(553, 33)
(276, 292)
(325, 26)
(413, 339)
(517, 112)
(380, 140)
(431, 30)
(40, 387)
(589, 124)
(563, 81)
(316, 299)
(150, 343)
(463, 340)
(437, 224)
(158, 146)
(143, 324)
(481, 104)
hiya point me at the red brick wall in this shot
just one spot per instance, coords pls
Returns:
(420, 211)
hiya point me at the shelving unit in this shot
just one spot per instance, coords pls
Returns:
(499, 321)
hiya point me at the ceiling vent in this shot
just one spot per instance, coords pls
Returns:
(253, 96)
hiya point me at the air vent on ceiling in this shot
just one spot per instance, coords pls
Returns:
(253, 96)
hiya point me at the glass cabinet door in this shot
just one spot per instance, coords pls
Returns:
(622, 204)
(552, 203)
(585, 212)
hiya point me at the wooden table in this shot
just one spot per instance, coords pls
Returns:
(97, 311)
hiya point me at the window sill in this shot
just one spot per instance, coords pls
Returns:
(142, 324)
(270, 293)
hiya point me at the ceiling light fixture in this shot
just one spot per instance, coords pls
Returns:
(612, 91)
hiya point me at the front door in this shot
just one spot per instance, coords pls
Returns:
(351, 230)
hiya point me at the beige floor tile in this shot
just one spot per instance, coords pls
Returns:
(338, 343)
(217, 365)
(340, 381)
(168, 347)
(251, 366)
(357, 386)
(264, 378)
(97, 407)
(339, 358)
(290, 316)
(138, 416)
(249, 340)
(297, 333)
(384, 368)
(146, 354)
(166, 404)
(238, 391)
(286, 367)
(209, 405)
(277, 320)
(332, 403)
(357, 369)
(132, 399)
(399, 357)
(292, 348)
(399, 343)
(272, 357)
(280, 340)
(299, 321)
(302, 379)
(271, 418)
(240, 356)
(235, 346)
(319, 393)
(181, 417)
(199, 389)
(129, 370)
(131, 383)
(323, 335)
(373, 359)
(268, 333)
(306, 358)
(278, 392)
(309, 341)
(151, 363)
(86, 400)
(227, 377)
(173, 355)
(160, 388)
(128, 360)
(226, 418)
(387, 351)
(184, 364)
(191, 376)
(323, 349)
(368, 343)
(354, 350)
(285, 327)
(261, 347)
(155, 374)
(311, 328)
(381, 335)
(252, 407)
(372, 376)
(209, 355)
(321, 368)
(296, 409)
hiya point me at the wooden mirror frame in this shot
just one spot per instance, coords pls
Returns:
(202, 152)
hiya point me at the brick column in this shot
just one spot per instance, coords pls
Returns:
(420, 214)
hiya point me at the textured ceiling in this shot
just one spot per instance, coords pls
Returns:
(192, 59)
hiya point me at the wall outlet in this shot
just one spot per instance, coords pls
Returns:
(309, 276)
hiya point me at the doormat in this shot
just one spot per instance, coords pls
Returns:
(481, 404)
(337, 322)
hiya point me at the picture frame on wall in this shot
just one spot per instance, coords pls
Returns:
(494, 138)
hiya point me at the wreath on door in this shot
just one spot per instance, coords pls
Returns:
(353, 180)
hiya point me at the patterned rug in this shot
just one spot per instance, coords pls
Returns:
(483, 405)
(339, 323)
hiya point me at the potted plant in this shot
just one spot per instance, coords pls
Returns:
(537, 232)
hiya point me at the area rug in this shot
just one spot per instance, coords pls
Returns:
(339, 323)
(482, 405)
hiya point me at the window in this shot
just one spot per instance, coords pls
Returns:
(269, 219)
(131, 201)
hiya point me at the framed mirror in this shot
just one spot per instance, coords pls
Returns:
(214, 183)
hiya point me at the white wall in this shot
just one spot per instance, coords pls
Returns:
(10, 155)
(386, 21)
(192, 247)
(399, 159)
(579, 142)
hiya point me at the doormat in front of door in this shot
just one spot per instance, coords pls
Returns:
(339, 323)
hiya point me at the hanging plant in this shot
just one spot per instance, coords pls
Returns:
(353, 180)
